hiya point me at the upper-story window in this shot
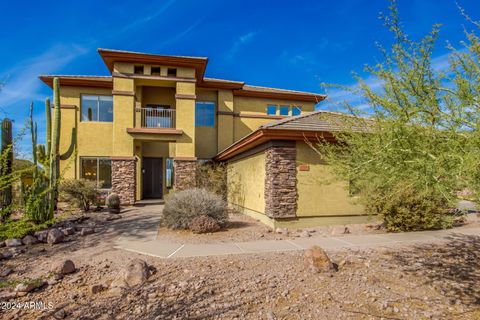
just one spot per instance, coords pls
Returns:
(96, 108)
(171, 72)
(284, 110)
(272, 110)
(138, 69)
(296, 110)
(204, 114)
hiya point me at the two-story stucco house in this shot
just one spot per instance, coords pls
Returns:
(141, 131)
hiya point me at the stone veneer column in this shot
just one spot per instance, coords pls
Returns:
(123, 179)
(280, 182)
(184, 173)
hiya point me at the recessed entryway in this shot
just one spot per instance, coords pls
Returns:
(152, 177)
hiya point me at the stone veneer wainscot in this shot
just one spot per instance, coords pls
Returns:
(123, 179)
(280, 182)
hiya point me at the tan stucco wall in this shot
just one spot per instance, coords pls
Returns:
(206, 137)
(315, 196)
(246, 183)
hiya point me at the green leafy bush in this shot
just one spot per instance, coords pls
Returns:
(184, 206)
(82, 192)
(405, 208)
(20, 228)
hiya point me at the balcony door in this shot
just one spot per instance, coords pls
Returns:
(152, 176)
(157, 116)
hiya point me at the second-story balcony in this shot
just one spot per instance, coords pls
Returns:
(157, 118)
(155, 124)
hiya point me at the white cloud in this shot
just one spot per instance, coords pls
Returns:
(239, 43)
(22, 79)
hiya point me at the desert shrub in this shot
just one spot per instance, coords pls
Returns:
(212, 177)
(183, 206)
(203, 224)
(81, 192)
(113, 202)
(405, 208)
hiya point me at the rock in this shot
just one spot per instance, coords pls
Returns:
(41, 235)
(97, 230)
(86, 231)
(136, 273)
(111, 217)
(60, 314)
(51, 282)
(6, 255)
(25, 287)
(55, 236)
(2, 244)
(13, 243)
(57, 276)
(68, 231)
(271, 316)
(316, 260)
(29, 240)
(283, 231)
(305, 234)
(97, 288)
(64, 267)
(346, 230)
(6, 272)
(7, 295)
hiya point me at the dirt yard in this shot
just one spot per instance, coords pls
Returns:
(414, 282)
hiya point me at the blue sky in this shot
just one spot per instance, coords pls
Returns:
(284, 44)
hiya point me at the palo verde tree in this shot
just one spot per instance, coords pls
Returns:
(411, 157)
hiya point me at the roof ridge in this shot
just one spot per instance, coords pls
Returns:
(150, 54)
(280, 89)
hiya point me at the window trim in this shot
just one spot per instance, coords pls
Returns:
(214, 113)
(98, 168)
(98, 108)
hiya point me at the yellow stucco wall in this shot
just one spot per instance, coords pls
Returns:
(315, 196)
(246, 183)
(245, 106)
(88, 142)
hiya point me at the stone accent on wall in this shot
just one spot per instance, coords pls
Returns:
(123, 179)
(280, 182)
(184, 174)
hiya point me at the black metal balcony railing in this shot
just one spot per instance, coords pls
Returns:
(157, 118)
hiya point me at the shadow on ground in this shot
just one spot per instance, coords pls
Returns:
(452, 267)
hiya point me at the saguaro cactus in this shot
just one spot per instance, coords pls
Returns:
(55, 146)
(7, 157)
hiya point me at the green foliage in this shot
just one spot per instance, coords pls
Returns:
(54, 153)
(212, 177)
(20, 228)
(417, 149)
(81, 192)
(184, 206)
(6, 164)
(404, 208)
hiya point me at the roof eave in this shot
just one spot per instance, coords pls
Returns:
(78, 82)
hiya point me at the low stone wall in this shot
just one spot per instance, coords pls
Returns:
(123, 179)
(280, 182)
(185, 172)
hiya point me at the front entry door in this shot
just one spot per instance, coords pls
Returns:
(152, 178)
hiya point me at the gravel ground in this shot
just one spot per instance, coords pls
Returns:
(411, 282)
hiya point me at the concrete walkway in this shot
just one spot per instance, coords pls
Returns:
(143, 240)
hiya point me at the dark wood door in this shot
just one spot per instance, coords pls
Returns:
(152, 178)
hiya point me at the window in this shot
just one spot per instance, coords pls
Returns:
(169, 172)
(296, 110)
(284, 110)
(138, 69)
(204, 114)
(155, 71)
(97, 108)
(97, 169)
(272, 110)
(171, 72)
